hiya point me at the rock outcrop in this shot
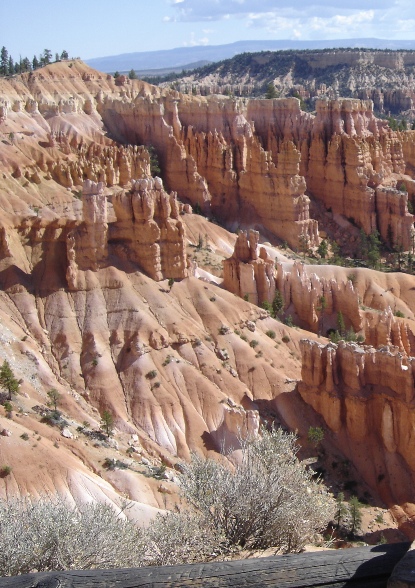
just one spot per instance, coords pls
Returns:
(149, 231)
(303, 291)
(248, 274)
(365, 396)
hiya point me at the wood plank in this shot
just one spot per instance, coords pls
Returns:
(365, 567)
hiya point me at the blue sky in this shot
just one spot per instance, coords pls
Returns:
(96, 28)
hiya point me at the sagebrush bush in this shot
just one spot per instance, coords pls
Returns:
(181, 538)
(50, 534)
(269, 499)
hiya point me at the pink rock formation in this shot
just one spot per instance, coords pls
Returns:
(148, 230)
(302, 291)
(386, 329)
(88, 245)
(208, 149)
(366, 397)
(247, 274)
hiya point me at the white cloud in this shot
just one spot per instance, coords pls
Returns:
(306, 18)
(195, 42)
(199, 10)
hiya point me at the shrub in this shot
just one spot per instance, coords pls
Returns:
(53, 535)
(289, 321)
(24, 436)
(285, 339)
(315, 435)
(271, 334)
(180, 538)
(151, 374)
(5, 470)
(399, 314)
(268, 499)
(267, 306)
(254, 343)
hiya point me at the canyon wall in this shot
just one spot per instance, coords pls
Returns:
(365, 396)
(266, 154)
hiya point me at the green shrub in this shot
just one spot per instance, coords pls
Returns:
(151, 374)
(254, 343)
(5, 470)
(271, 334)
(315, 435)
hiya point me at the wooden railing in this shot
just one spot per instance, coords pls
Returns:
(364, 567)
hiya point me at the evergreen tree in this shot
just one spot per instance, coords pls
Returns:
(4, 61)
(7, 380)
(355, 514)
(132, 75)
(47, 56)
(11, 66)
(271, 92)
(35, 62)
(57, 58)
(374, 249)
(277, 303)
(340, 323)
(54, 398)
(323, 249)
(64, 54)
(26, 65)
(341, 509)
(107, 422)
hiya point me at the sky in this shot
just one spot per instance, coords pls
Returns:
(98, 28)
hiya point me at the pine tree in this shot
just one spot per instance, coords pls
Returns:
(132, 75)
(35, 62)
(355, 514)
(7, 380)
(340, 323)
(4, 61)
(277, 303)
(26, 65)
(54, 397)
(107, 422)
(271, 92)
(47, 56)
(11, 66)
(64, 54)
(341, 509)
(323, 249)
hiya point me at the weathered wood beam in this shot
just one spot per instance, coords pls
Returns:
(364, 567)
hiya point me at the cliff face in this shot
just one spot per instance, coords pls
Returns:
(365, 396)
(264, 156)
(212, 155)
